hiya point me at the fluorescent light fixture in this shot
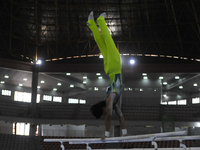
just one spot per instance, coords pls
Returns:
(2, 82)
(164, 83)
(100, 77)
(38, 87)
(145, 77)
(55, 89)
(96, 89)
(195, 84)
(25, 79)
(144, 74)
(71, 86)
(132, 61)
(38, 62)
(68, 74)
(20, 84)
(98, 74)
(180, 87)
(161, 77)
(177, 77)
(59, 84)
(84, 77)
(6, 76)
(42, 81)
(84, 82)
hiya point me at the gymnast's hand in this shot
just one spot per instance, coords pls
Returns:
(103, 138)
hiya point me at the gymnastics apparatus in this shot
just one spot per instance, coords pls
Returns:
(153, 138)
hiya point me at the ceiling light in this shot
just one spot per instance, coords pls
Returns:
(132, 61)
(38, 62)
(20, 84)
(6, 76)
(165, 95)
(161, 77)
(25, 79)
(68, 74)
(55, 89)
(144, 74)
(84, 77)
(164, 83)
(38, 87)
(141, 90)
(195, 84)
(180, 87)
(42, 81)
(71, 86)
(59, 84)
(2, 82)
(84, 82)
(100, 77)
(145, 77)
(176, 77)
(98, 74)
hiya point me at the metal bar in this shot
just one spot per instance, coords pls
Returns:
(36, 33)
(120, 16)
(169, 138)
(128, 21)
(56, 11)
(119, 139)
(176, 23)
(10, 48)
(196, 17)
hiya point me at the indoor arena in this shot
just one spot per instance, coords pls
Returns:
(100, 74)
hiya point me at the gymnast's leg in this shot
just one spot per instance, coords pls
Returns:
(98, 38)
(113, 56)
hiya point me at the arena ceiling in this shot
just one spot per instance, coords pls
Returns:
(53, 29)
(163, 36)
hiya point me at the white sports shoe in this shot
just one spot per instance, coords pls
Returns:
(91, 16)
(103, 15)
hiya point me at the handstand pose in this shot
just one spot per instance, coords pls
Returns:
(112, 67)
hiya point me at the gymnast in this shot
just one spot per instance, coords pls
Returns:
(112, 67)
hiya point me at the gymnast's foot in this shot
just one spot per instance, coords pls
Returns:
(103, 15)
(91, 16)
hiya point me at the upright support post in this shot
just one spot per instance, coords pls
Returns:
(33, 98)
(88, 147)
(154, 143)
(34, 89)
(182, 145)
(62, 146)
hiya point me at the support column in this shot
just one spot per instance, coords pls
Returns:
(34, 90)
(189, 99)
(33, 98)
(32, 129)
